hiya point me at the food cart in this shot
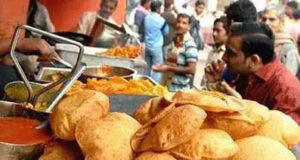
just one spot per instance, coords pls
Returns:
(178, 119)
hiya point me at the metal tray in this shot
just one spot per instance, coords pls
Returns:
(69, 54)
(90, 72)
(139, 76)
(126, 103)
(118, 102)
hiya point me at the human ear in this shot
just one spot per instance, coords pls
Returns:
(254, 61)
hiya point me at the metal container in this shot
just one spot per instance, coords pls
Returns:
(19, 151)
(90, 57)
(144, 77)
(16, 92)
(126, 103)
(129, 103)
(90, 72)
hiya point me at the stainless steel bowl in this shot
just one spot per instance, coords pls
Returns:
(93, 72)
(16, 151)
(16, 92)
(90, 72)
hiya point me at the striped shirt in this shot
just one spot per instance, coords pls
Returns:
(188, 53)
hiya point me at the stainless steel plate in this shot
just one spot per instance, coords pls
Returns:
(45, 73)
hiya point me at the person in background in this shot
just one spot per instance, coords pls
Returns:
(285, 47)
(28, 46)
(38, 17)
(195, 30)
(220, 38)
(94, 25)
(141, 12)
(240, 11)
(130, 12)
(202, 22)
(170, 15)
(291, 23)
(290, 8)
(181, 61)
(250, 52)
(200, 10)
(88, 19)
(155, 29)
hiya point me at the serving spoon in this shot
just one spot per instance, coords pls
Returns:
(67, 81)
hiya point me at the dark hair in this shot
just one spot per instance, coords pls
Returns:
(183, 15)
(241, 11)
(105, 1)
(297, 14)
(198, 3)
(143, 2)
(293, 5)
(168, 3)
(155, 5)
(223, 20)
(257, 38)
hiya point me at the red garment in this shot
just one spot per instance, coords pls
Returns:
(275, 87)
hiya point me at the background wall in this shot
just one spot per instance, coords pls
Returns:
(65, 14)
(12, 14)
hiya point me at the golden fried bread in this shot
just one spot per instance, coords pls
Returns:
(107, 138)
(282, 128)
(150, 109)
(209, 101)
(154, 156)
(64, 150)
(75, 107)
(210, 144)
(177, 127)
(262, 148)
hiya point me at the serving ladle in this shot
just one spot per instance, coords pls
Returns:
(67, 81)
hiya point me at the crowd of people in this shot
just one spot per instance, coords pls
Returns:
(254, 55)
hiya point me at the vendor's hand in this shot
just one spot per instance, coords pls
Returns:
(214, 71)
(161, 68)
(226, 88)
(36, 47)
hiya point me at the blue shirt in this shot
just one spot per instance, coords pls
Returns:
(155, 29)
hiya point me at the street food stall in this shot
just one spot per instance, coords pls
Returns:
(107, 112)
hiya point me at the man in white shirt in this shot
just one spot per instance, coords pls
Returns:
(220, 38)
(88, 19)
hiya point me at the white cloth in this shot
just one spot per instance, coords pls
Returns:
(87, 22)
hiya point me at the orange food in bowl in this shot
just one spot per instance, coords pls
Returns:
(18, 130)
(119, 85)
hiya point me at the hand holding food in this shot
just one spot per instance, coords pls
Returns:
(214, 71)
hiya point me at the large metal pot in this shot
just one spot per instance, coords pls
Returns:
(19, 151)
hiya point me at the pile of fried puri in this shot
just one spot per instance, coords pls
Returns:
(187, 125)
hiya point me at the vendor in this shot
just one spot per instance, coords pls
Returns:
(250, 53)
(181, 60)
(106, 35)
(29, 46)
